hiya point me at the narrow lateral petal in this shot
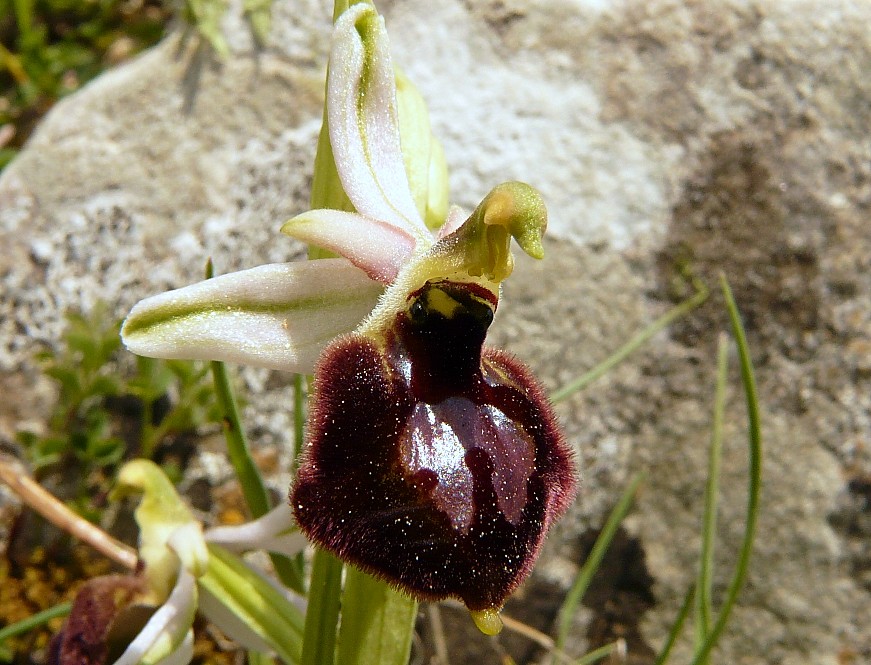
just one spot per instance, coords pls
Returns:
(278, 316)
(364, 127)
(276, 531)
(374, 246)
(456, 217)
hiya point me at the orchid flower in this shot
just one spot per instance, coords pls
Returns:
(147, 618)
(431, 461)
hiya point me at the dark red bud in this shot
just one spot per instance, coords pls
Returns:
(85, 637)
(432, 462)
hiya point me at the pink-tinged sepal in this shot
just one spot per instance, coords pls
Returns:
(433, 462)
(376, 247)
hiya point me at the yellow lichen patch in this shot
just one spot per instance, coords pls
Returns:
(40, 583)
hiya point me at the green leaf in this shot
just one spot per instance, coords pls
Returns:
(254, 602)
(754, 483)
(322, 614)
(641, 338)
(703, 603)
(68, 378)
(676, 627)
(377, 622)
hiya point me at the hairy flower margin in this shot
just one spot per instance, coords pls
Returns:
(431, 461)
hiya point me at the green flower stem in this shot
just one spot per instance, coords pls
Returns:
(754, 481)
(34, 621)
(325, 587)
(256, 495)
(676, 312)
(594, 560)
(289, 571)
(676, 627)
(322, 614)
(299, 391)
(377, 622)
(706, 560)
(147, 436)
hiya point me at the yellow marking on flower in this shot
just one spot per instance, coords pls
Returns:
(440, 302)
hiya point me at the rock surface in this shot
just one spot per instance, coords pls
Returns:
(727, 136)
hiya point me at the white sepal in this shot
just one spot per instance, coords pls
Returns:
(363, 122)
(278, 315)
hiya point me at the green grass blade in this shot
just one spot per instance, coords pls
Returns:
(597, 654)
(676, 312)
(322, 614)
(34, 621)
(591, 565)
(709, 524)
(676, 627)
(754, 482)
(377, 622)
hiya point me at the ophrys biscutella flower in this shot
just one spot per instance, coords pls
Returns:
(431, 460)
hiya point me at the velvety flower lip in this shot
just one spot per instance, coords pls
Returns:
(438, 467)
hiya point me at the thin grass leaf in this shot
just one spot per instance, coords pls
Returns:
(322, 614)
(594, 560)
(754, 481)
(703, 605)
(598, 654)
(676, 627)
(633, 344)
(34, 621)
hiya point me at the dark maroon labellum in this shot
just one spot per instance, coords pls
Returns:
(433, 462)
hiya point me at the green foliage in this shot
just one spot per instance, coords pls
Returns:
(101, 416)
(49, 48)
(709, 628)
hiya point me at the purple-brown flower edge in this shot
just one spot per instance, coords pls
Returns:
(433, 462)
